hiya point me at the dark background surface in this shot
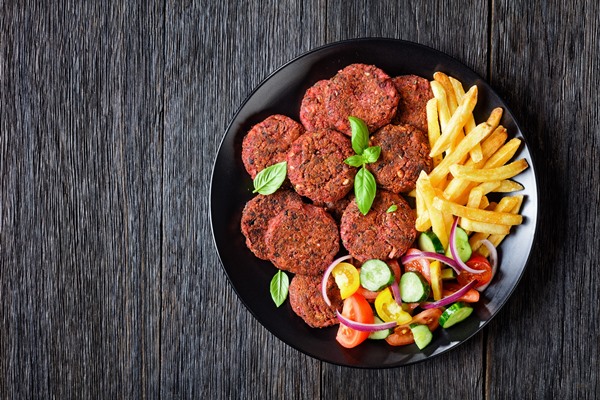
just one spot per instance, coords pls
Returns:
(110, 118)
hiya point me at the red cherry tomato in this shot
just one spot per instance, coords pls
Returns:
(356, 308)
(477, 262)
(420, 265)
(403, 335)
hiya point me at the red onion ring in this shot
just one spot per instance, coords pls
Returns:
(454, 251)
(493, 262)
(326, 277)
(396, 292)
(359, 326)
(431, 255)
(450, 299)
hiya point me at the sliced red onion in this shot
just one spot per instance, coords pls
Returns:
(493, 262)
(359, 326)
(433, 256)
(326, 277)
(454, 251)
(450, 299)
(396, 292)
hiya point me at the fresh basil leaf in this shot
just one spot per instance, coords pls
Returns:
(360, 134)
(279, 287)
(355, 161)
(270, 179)
(364, 190)
(392, 208)
(371, 154)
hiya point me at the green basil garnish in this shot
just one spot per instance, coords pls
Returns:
(364, 189)
(365, 186)
(355, 160)
(270, 179)
(392, 208)
(371, 154)
(279, 287)
(360, 134)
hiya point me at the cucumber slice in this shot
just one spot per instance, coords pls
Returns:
(448, 274)
(454, 314)
(382, 334)
(375, 275)
(428, 241)
(413, 287)
(422, 335)
(462, 245)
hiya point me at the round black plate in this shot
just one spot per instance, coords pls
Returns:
(231, 188)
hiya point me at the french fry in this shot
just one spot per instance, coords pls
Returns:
(506, 204)
(457, 187)
(488, 174)
(433, 127)
(427, 192)
(423, 222)
(456, 122)
(475, 136)
(444, 80)
(503, 154)
(496, 239)
(442, 102)
(476, 214)
(459, 92)
(507, 186)
(484, 203)
(484, 227)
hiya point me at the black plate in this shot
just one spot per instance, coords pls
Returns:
(231, 188)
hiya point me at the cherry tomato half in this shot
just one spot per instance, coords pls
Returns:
(478, 262)
(347, 279)
(358, 309)
(403, 335)
(420, 265)
(388, 310)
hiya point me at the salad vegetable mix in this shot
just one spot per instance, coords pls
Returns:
(410, 305)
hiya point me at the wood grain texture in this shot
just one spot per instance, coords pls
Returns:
(111, 115)
(81, 200)
(545, 64)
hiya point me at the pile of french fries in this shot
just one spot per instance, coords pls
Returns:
(470, 162)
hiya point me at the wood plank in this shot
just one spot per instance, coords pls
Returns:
(545, 64)
(215, 54)
(81, 199)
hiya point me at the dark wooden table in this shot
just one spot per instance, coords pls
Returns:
(110, 118)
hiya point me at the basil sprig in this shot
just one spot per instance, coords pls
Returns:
(279, 287)
(365, 186)
(270, 179)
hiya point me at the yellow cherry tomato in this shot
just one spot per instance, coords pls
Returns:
(388, 310)
(347, 279)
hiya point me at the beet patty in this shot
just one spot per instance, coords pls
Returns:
(316, 165)
(404, 154)
(302, 239)
(257, 214)
(414, 92)
(366, 92)
(308, 303)
(268, 142)
(313, 110)
(379, 234)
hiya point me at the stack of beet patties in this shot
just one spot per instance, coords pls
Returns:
(300, 230)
